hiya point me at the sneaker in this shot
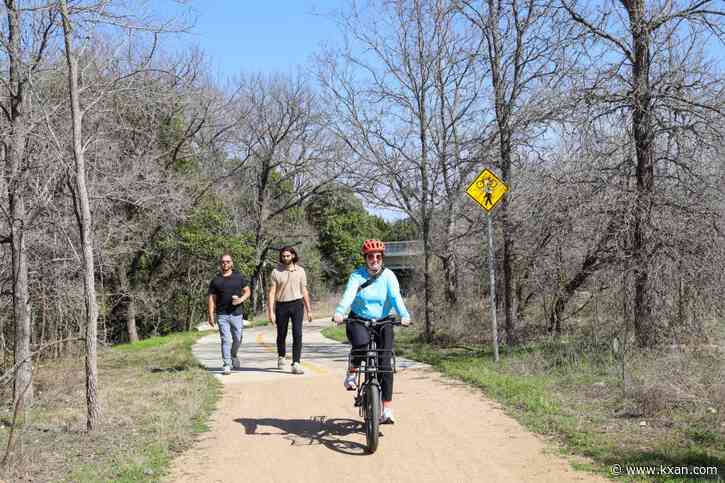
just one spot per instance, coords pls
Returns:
(227, 370)
(387, 417)
(297, 368)
(281, 363)
(351, 381)
(235, 363)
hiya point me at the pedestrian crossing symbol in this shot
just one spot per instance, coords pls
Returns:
(487, 190)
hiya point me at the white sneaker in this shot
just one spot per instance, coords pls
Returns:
(297, 368)
(235, 363)
(351, 381)
(387, 417)
(227, 370)
(281, 363)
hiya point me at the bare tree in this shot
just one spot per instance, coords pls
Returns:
(458, 138)
(644, 35)
(85, 223)
(289, 157)
(406, 107)
(26, 39)
(528, 59)
(170, 117)
(114, 75)
(81, 21)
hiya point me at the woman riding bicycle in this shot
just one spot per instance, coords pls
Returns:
(379, 294)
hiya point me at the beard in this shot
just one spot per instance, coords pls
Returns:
(287, 261)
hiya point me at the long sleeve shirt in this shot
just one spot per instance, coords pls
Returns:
(374, 301)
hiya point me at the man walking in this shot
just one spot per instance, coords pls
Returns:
(288, 299)
(227, 292)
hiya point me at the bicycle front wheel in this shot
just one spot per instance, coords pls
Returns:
(372, 417)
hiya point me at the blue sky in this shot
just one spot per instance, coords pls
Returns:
(253, 36)
(256, 36)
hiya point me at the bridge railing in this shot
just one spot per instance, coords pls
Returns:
(403, 248)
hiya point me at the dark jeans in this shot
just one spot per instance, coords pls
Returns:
(384, 339)
(283, 312)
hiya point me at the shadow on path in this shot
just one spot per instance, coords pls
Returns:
(315, 430)
(220, 370)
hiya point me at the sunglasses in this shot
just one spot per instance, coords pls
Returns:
(374, 256)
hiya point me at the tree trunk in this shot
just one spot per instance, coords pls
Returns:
(592, 262)
(644, 331)
(129, 281)
(191, 314)
(508, 272)
(503, 108)
(257, 285)
(425, 209)
(23, 390)
(450, 270)
(562, 299)
(428, 303)
(507, 260)
(450, 263)
(644, 146)
(129, 301)
(14, 154)
(83, 213)
(522, 301)
(263, 288)
(131, 318)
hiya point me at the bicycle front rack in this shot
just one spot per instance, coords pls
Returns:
(362, 356)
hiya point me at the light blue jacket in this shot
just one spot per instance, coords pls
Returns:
(374, 301)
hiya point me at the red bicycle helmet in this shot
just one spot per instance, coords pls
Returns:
(370, 246)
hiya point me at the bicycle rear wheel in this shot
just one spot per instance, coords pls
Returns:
(372, 417)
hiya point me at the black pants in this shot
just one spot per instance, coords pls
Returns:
(283, 312)
(384, 339)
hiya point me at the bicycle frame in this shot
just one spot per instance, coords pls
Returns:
(369, 392)
(368, 371)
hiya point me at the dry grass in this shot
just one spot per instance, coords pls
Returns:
(154, 399)
(592, 389)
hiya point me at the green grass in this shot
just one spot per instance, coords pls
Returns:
(181, 340)
(155, 399)
(258, 323)
(335, 332)
(572, 393)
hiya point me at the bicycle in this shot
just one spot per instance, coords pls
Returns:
(369, 392)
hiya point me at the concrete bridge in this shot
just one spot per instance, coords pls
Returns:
(400, 255)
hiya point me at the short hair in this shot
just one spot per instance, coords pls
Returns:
(295, 258)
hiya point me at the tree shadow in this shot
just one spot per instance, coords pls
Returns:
(168, 369)
(330, 433)
(220, 369)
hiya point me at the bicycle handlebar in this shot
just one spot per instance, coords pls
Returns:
(390, 319)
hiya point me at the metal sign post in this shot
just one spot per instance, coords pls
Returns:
(487, 190)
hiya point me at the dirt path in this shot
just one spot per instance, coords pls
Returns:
(275, 426)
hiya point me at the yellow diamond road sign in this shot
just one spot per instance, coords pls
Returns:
(487, 190)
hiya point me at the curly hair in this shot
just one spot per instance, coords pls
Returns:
(295, 258)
